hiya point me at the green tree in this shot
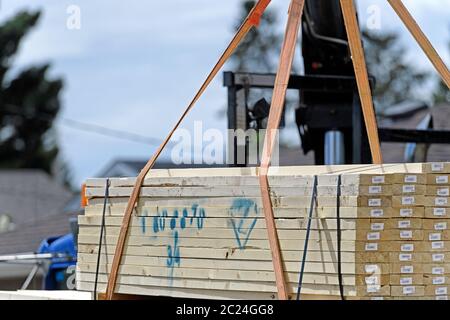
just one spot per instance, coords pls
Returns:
(260, 50)
(397, 79)
(29, 103)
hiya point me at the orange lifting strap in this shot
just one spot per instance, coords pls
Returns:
(276, 110)
(251, 21)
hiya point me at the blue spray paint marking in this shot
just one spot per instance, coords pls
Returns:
(183, 219)
(173, 221)
(175, 224)
(159, 221)
(143, 221)
(244, 214)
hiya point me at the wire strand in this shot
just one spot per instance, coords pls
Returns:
(85, 127)
(102, 228)
(339, 236)
(308, 231)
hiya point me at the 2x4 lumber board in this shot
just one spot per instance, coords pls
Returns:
(408, 201)
(259, 223)
(246, 191)
(408, 178)
(202, 293)
(436, 280)
(408, 189)
(291, 180)
(311, 267)
(412, 279)
(230, 275)
(438, 179)
(431, 201)
(233, 254)
(377, 224)
(438, 191)
(265, 255)
(421, 39)
(150, 208)
(220, 284)
(406, 246)
(436, 167)
(423, 257)
(178, 292)
(324, 244)
(288, 171)
(245, 233)
(411, 291)
(431, 224)
(389, 235)
(260, 234)
(362, 78)
(250, 191)
(257, 254)
(402, 223)
(437, 213)
(292, 245)
(278, 201)
(436, 269)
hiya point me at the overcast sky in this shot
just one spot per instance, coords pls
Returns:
(135, 64)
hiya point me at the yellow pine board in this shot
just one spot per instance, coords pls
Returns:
(325, 244)
(219, 274)
(230, 254)
(144, 209)
(244, 233)
(294, 223)
(310, 267)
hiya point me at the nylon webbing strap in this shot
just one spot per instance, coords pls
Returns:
(251, 21)
(421, 39)
(276, 110)
(308, 232)
(362, 78)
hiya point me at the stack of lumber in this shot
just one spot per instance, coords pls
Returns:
(201, 233)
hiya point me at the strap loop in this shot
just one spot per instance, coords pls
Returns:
(240, 35)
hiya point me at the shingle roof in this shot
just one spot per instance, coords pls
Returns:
(28, 236)
(393, 152)
(28, 195)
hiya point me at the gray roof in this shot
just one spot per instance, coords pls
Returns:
(28, 195)
(393, 152)
(28, 236)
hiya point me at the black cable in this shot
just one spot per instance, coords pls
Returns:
(84, 127)
(308, 231)
(339, 236)
(100, 242)
(108, 132)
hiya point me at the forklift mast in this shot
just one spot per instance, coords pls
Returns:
(327, 120)
(329, 116)
(324, 42)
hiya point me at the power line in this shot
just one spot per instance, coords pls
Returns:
(89, 127)
(112, 133)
